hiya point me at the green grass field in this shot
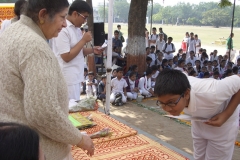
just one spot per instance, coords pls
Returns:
(208, 35)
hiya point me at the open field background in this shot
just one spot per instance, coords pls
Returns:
(208, 35)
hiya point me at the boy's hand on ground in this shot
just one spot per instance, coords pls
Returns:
(218, 120)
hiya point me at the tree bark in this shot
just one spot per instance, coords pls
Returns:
(91, 57)
(136, 35)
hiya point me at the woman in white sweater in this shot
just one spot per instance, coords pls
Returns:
(32, 88)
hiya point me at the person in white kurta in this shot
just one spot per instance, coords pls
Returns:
(191, 59)
(191, 45)
(198, 44)
(145, 84)
(69, 49)
(214, 100)
(160, 42)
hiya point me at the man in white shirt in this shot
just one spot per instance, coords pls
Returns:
(214, 101)
(214, 55)
(191, 45)
(153, 37)
(191, 59)
(69, 49)
(197, 43)
(160, 42)
(168, 49)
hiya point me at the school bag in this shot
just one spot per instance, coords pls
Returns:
(166, 46)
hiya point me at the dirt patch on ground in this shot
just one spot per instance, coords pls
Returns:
(150, 120)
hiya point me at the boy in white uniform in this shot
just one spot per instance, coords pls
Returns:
(69, 49)
(168, 49)
(119, 85)
(211, 99)
(91, 85)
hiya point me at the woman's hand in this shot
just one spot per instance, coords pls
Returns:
(87, 144)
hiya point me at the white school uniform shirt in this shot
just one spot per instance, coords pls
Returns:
(73, 71)
(153, 37)
(191, 60)
(185, 39)
(197, 42)
(160, 44)
(153, 56)
(155, 75)
(212, 58)
(118, 85)
(237, 59)
(191, 45)
(145, 84)
(209, 97)
(170, 47)
(179, 68)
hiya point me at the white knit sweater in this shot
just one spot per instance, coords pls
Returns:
(32, 88)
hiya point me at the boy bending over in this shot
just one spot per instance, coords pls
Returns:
(205, 98)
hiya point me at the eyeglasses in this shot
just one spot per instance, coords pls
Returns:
(85, 18)
(170, 104)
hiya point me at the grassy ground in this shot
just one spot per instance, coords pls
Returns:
(208, 35)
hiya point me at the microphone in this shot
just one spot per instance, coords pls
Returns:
(85, 27)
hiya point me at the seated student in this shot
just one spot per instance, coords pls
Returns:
(197, 66)
(119, 92)
(114, 73)
(189, 69)
(102, 88)
(147, 51)
(204, 98)
(132, 68)
(19, 142)
(227, 73)
(215, 64)
(181, 64)
(152, 53)
(145, 84)
(183, 57)
(171, 64)
(175, 62)
(165, 64)
(91, 85)
(148, 61)
(216, 75)
(193, 73)
(210, 67)
(203, 70)
(222, 67)
(159, 59)
(132, 88)
(179, 54)
(189, 64)
(192, 58)
(220, 58)
(229, 65)
(205, 63)
(155, 73)
(83, 84)
(206, 74)
(199, 54)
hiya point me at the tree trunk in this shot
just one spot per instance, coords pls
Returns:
(91, 57)
(136, 35)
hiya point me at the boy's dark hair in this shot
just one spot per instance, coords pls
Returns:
(153, 47)
(157, 51)
(216, 73)
(215, 61)
(80, 7)
(119, 69)
(132, 73)
(181, 61)
(235, 69)
(171, 82)
(154, 68)
(148, 59)
(91, 73)
(85, 70)
(154, 28)
(148, 71)
(206, 61)
(118, 25)
(147, 48)
(215, 69)
(18, 142)
(170, 38)
(238, 59)
(192, 73)
(198, 61)
(116, 31)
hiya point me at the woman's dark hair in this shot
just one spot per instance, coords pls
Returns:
(235, 69)
(18, 142)
(171, 82)
(204, 55)
(80, 6)
(132, 74)
(132, 67)
(227, 72)
(119, 69)
(154, 68)
(148, 71)
(52, 7)
(19, 7)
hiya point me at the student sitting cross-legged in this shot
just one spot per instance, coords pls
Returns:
(132, 88)
(102, 88)
(215, 101)
(118, 85)
(145, 84)
(91, 85)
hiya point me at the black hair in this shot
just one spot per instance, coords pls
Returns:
(147, 48)
(103, 76)
(132, 74)
(114, 70)
(210, 62)
(18, 142)
(206, 61)
(154, 68)
(80, 6)
(119, 69)
(181, 61)
(154, 28)
(52, 7)
(106, 36)
(235, 69)
(116, 31)
(85, 70)
(191, 52)
(153, 47)
(206, 74)
(148, 71)
(192, 73)
(216, 73)
(171, 82)
(170, 38)
(158, 51)
(228, 71)
(118, 25)
(19, 7)
(215, 69)
(148, 59)
(230, 64)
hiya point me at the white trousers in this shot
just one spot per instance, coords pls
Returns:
(113, 97)
(214, 143)
(74, 91)
(132, 95)
(168, 56)
(90, 90)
